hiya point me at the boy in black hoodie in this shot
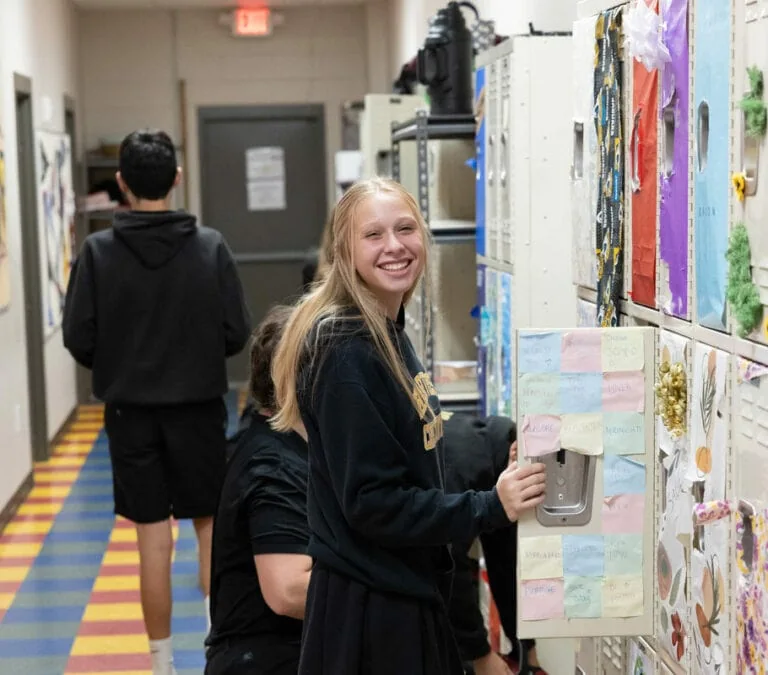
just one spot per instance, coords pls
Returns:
(154, 307)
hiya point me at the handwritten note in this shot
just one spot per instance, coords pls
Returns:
(623, 433)
(583, 597)
(583, 555)
(581, 392)
(539, 394)
(623, 514)
(622, 476)
(541, 557)
(622, 596)
(623, 350)
(581, 352)
(624, 554)
(541, 599)
(623, 392)
(582, 433)
(540, 435)
(539, 353)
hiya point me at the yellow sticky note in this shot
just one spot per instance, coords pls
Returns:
(541, 557)
(623, 596)
(582, 433)
(622, 350)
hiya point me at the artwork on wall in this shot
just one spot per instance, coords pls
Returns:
(56, 214)
(5, 263)
(585, 391)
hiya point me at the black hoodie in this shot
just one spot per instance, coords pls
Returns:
(154, 306)
(377, 505)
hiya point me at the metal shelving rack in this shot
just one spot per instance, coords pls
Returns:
(422, 129)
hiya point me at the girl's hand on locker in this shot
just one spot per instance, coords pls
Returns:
(521, 488)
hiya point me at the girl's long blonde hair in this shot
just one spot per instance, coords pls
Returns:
(338, 289)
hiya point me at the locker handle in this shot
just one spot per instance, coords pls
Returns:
(634, 149)
(702, 135)
(668, 117)
(577, 165)
(750, 152)
(747, 538)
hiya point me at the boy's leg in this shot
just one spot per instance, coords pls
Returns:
(155, 552)
(204, 532)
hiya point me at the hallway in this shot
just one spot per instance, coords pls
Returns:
(69, 573)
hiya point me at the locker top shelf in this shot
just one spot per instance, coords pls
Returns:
(434, 127)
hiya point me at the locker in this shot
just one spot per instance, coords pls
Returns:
(506, 178)
(492, 105)
(480, 159)
(641, 659)
(493, 350)
(506, 344)
(586, 313)
(674, 208)
(612, 655)
(750, 431)
(483, 339)
(584, 155)
(586, 657)
(712, 186)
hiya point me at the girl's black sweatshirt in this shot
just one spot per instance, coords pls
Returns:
(378, 511)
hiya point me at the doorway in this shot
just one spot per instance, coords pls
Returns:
(263, 186)
(30, 254)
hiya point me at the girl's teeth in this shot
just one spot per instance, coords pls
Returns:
(395, 267)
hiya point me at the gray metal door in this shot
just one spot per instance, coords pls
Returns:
(263, 186)
(30, 251)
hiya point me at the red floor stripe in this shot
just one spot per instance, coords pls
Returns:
(9, 586)
(125, 627)
(7, 561)
(33, 517)
(44, 500)
(122, 546)
(23, 538)
(108, 597)
(108, 663)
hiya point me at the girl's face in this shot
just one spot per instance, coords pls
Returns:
(387, 248)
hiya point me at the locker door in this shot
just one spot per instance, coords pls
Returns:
(506, 223)
(491, 162)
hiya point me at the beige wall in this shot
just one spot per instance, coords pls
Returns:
(37, 39)
(319, 55)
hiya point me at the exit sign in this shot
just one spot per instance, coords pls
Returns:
(252, 22)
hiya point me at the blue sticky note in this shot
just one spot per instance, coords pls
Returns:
(539, 394)
(583, 555)
(581, 392)
(623, 554)
(622, 476)
(624, 433)
(539, 352)
(583, 597)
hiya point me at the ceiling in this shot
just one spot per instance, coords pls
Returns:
(213, 4)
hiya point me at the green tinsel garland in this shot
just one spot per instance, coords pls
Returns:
(741, 291)
(755, 112)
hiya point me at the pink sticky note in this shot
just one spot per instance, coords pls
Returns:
(624, 392)
(623, 514)
(540, 435)
(542, 599)
(581, 352)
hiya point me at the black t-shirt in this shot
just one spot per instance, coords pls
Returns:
(378, 510)
(262, 509)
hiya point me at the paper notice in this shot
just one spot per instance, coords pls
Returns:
(541, 557)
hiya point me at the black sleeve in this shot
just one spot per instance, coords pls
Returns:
(500, 553)
(79, 318)
(275, 506)
(368, 466)
(464, 607)
(237, 320)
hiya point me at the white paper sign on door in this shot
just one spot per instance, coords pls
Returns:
(265, 178)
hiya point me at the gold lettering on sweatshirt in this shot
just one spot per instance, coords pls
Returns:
(423, 390)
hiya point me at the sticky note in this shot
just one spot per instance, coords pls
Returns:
(581, 392)
(583, 555)
(623, 392)
(622, 475)
(623, 350)
(582, 433)
(623, 596)
(539, 353)
(541, 599)
(541, 557)
(623, 514)
(539, 394)
(583, 597)
(623, 433)
(623, 555)
(581, 352)
(540, 435)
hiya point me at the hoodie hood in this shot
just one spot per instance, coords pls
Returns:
(154, 237)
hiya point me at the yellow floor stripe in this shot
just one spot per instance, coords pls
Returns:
(6, 599)
(20, 550)
(116, 611)
(81, 436)
(39, 509)
(120, 558)
(43, 475)
(118, 672)
(50, 491)
(27, 527)
(59, 461)
(117, 583)
(13, 573)
(91, 645)
(124, 534)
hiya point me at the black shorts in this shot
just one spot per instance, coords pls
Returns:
(254, 657)
(167, 460)
(350, 629)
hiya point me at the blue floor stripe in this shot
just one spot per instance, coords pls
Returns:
(36, 647)
(33, 585)
(43, 614)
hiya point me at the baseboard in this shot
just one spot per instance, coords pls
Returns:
(10, 509)
(63, 429)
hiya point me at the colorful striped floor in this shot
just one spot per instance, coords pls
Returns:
(69, 575)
